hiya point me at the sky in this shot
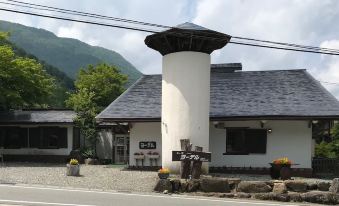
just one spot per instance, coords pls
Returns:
(307, 22)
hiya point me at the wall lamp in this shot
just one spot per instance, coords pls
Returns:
(312, 122)
(269, 130)
(262, 123)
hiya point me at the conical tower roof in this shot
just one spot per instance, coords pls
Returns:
(187, 37)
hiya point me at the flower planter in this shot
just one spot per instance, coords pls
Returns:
(163, 175)
(153, 156)
(139, 157)
(73, 170)
(280, 170)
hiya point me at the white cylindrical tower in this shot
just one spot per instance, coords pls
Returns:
(185, 86)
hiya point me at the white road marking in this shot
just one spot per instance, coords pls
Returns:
(183, 197)
(40, 203)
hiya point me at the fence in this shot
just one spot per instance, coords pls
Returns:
(325, 166)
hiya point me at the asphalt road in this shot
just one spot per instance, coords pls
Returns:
(40, 196)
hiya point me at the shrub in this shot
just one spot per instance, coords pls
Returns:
(327, 150)
(88, 153)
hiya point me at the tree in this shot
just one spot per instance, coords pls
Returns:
(23, 82)
(96, 87)
(106, 82)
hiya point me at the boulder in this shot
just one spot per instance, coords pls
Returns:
(295, 197)
(225, 195)
(193, 185)
(319, 197)
(323, 186)
(272, 196)
(296, 185)
(175, 185)
(183, 185)
(279, 188)
(311, 185)
(233, 183)
(242, 195)
(334, 186)
(162, 185)
(214, 185)
(253, 187)
(262, 196)
(281, 197)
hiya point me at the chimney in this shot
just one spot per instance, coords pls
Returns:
(186, 67)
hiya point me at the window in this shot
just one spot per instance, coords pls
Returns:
(16, 137)
(76, 138)
(2, 136)
(245, 141)
(54, 137)
(34, 137)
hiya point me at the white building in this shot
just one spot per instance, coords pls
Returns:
(38, 135)
(244, 118)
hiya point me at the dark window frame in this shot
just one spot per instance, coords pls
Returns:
(29, 139)
(249, 145)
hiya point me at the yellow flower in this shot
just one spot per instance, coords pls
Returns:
(164, 171)
(282, 161)
(74, 162)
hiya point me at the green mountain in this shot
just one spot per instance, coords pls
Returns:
(66, 54)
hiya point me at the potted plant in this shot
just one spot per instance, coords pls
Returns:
(139, 156)
(163, 173)
(73, 168)
(153, 155)
(280, 168)
(89, 156)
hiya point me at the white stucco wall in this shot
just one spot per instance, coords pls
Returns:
(36, 151)
(185, 102)
(144, 132)
(292, 139)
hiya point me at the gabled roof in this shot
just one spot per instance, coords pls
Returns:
(275, 94)
(37, 117)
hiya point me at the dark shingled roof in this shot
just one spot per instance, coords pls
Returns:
(276, 94)
(37, 116)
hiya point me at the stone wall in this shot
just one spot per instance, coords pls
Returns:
(324, 192)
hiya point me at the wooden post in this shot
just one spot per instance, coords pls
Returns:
(196, 168)
(185, 165)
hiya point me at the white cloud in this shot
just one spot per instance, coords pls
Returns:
(308, 22)
(328, 74)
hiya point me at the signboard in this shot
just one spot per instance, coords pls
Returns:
(191, 156)
(147, 145)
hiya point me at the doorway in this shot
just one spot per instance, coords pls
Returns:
(121, 149)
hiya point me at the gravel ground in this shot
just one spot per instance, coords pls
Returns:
(105, 177)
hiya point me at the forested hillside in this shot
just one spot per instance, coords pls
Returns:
(68, 55)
